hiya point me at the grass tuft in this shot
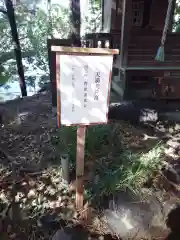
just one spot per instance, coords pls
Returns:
(127, 171)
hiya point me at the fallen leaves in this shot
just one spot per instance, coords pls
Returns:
(28, 168)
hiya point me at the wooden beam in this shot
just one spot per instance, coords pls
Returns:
(125, 31)
(125, 38)
(79, 50)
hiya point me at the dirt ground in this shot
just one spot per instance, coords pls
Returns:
(30, 171)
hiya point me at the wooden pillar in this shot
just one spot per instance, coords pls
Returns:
(125, 39)
(107, 6)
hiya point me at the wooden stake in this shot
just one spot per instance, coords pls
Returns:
(81, 130)
(65, 168)
(81, 134)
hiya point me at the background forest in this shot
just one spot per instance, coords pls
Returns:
(35, 23)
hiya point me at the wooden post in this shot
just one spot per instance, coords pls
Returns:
(125, 37)
(81, 134)
(81, 131)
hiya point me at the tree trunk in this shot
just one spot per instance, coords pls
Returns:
(17, 47)
(75, 22)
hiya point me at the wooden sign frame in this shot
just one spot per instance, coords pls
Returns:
(78, 51)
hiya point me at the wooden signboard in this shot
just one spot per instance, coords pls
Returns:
(83, 77)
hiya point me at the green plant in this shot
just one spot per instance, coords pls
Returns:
(127, 171)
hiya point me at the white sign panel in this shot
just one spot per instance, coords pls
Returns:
(84, 88)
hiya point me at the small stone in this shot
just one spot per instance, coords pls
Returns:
(31, 193)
